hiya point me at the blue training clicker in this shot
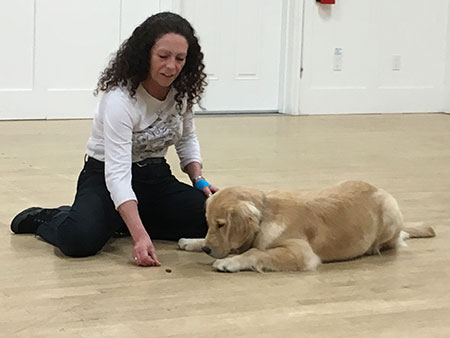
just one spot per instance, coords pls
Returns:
(200, 184)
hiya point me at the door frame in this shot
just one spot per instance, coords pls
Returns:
(291, 67)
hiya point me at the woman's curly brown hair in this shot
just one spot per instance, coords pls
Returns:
(131, 63)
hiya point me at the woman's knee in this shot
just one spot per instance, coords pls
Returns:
(79, 245)
(77, 241)
(87, 228)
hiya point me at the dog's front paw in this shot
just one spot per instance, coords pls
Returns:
(227, 265)
(190, 244)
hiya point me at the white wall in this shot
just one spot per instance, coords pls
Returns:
(53, 52)
(447, 73)
(371, 33)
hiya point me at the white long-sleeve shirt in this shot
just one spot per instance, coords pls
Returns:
(127, 130)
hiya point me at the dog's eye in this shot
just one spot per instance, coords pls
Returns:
(220, 223)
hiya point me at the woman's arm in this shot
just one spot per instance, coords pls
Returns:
(188, 150)
(194, 170)
(117, 129)
(144, 252)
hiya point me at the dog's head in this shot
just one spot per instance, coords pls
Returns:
(233, 215)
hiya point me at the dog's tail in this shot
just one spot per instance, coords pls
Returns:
(418, 230)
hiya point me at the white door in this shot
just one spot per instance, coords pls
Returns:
(241, 43)
(53, 52)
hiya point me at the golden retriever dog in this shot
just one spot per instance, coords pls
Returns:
(287, 231)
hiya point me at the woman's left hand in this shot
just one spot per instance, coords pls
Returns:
(209, 191)
(194, 169)
(202, 184)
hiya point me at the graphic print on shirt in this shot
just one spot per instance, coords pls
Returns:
(163, 132)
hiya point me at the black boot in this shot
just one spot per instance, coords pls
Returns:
(27, 221)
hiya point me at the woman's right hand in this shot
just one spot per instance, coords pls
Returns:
(144, 253)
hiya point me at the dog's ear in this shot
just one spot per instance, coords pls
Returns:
(245, 213)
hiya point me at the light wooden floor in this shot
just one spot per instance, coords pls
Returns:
(403, 294)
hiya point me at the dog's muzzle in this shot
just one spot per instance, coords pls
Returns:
(206, 249)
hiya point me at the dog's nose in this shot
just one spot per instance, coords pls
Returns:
(206, 249)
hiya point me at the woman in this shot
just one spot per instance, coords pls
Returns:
(149, 89)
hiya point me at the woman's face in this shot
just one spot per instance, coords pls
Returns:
(167, 58)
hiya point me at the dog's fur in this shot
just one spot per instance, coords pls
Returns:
(282, 231)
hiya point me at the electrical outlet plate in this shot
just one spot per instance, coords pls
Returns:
(338, 59)
(396, 62)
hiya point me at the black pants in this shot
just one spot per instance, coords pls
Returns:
(169, 209)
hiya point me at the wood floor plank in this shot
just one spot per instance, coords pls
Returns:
(397, 294)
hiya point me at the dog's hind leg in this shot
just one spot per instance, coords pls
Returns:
(294, 255)
(398, 240)
(389, 234)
